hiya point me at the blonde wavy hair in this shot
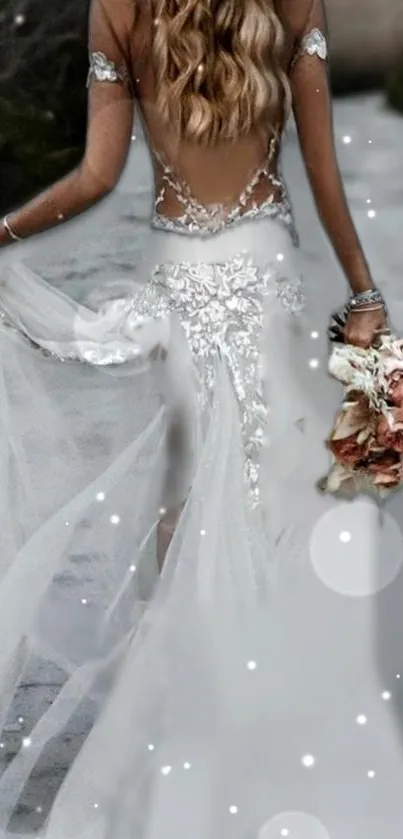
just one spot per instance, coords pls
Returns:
(218, 66)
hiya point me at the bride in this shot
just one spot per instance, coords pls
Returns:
(151, 442)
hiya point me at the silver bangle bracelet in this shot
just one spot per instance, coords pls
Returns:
(361, 310)
(10, 231)
(363, 298)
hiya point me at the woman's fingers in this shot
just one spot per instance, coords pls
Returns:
(362, 327)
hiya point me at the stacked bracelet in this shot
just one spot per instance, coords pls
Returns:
(371, 298)
(10, 231)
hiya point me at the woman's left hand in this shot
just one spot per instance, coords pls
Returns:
(363, 327)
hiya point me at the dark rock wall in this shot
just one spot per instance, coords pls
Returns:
(43, 65)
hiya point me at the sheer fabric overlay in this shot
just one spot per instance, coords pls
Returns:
(123, 411)
(165, 661)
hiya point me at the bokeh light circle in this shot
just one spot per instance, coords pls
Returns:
(356, 548)
(293, 825)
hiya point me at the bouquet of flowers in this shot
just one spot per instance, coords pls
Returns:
(366, 441)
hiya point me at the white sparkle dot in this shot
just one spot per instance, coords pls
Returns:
(371, 214)
(166, 770)
(84, 601)
(67, 524)
(314, 363)
(21, 719)
(251, 665)
(26, 742)
(96, 806)
(2, 745)
(133, 137)
(202, 533)
(397, 675)
(314, 334)
(371, 773)
(233, 809)
(308, 761)
(100, 496)
(280, 257)
(19, 20)
(369, 201)
(162, 511)
(132, 568)
(362, 719)
(187, 765)
(370, 142)
(386, 694)
(151, 747)
(345, 536)
(60, 216)
(346, 139)
(115, 519)
(284, 832)
(38, 809)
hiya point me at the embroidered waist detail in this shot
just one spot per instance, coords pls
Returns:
(268, 209)
(216, 222)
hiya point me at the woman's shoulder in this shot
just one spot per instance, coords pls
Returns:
(121, 13)
(117, 20)
(295, 14)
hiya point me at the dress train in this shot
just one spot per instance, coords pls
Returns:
(175, 668)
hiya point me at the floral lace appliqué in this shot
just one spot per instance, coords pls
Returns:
(221, 308)
(102, 69)
(313, 43)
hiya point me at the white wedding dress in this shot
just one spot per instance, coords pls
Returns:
(192, 394)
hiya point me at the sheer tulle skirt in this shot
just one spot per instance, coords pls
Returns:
(173, 670)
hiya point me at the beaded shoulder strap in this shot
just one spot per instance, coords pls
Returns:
(102, 69)
(313, 43)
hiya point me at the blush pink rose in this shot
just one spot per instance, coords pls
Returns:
(347, 451)
(389, 435)
(395, 390)
(386, 472)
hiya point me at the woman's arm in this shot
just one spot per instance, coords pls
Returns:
(110, 121)
(313, 114)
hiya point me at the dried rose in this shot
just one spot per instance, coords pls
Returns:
(389, 431)
(395, 389)
(390, 477)
(355, 419)
(347, 450)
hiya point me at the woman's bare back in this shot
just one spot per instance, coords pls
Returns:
(214, 175)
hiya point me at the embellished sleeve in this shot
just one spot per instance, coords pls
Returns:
(313, 42)
(102, 69)
(313, 112)
(109, 48)
(111, 101)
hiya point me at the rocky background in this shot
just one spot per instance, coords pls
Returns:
(43, 64)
